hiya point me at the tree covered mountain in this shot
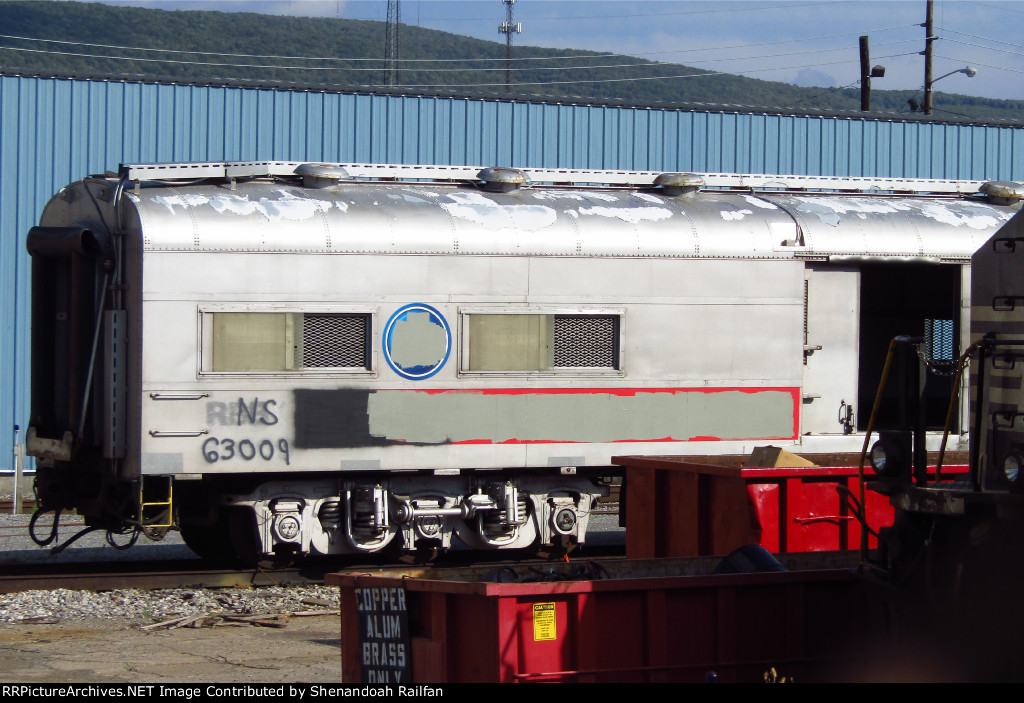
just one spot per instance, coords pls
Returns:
(180, 45)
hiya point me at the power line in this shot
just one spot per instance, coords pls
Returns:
(1001, 7)
(755, 7)
(975, 36)
(464, 69)
(824, 92)
(445, 70)
(474, 59)
(802, 53)
(329, 68)
(985, 65)
(419, 65)
(646, 78)
(178, 61)
(986, 48)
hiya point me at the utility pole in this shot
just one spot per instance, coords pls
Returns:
(929, 37)
(508, 28)
(866, 74)
(391, 44)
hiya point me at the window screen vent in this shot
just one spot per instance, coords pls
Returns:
(332, 340)
(586, 341)
(939, 341)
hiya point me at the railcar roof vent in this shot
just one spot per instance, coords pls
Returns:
(502, 180)
(1003, 192)
(321, 175)
(673, 184)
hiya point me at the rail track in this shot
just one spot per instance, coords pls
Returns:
(28, 505)
(145, 576)
(194, 573)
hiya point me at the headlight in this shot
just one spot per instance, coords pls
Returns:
(1011, 466)
(878, 457)
(890, 455)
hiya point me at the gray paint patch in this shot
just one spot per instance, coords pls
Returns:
(164, 463)
(416, 341)
(567, 461)
(360, 464)
(441, 418)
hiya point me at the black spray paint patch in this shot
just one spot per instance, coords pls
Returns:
(333, 419)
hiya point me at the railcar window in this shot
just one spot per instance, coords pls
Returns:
(532, 342)
(268, 342)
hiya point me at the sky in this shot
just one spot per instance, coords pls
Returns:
(807, 43)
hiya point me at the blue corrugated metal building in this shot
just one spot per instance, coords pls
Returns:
(55, 130)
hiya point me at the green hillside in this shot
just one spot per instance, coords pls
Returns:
(248, 35)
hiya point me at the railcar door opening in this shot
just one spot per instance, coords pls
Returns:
(916, 300)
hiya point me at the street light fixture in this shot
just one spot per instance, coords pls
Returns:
(968, 71)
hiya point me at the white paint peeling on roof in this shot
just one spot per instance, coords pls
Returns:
(589, 196)
(829, 210)
(649, 198)
(848, 206)
(735, 215)
(287, 207)
(539, 195)
(940, 213)
(494, 216)
(760, 202)
(629, 214)
(953, 213)
(408, 198)
(292, 207)
(235, 205)
(183, 201)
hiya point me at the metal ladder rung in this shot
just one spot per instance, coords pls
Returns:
(169, 504)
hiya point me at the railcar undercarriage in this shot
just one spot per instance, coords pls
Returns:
(383, 514)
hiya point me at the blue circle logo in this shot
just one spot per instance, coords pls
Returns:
(417, 341)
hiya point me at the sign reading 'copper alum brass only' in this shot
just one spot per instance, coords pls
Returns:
(383, 635)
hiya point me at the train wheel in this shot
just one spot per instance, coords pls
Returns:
(392, 552)
(211, 542)
(422, 554)
(245, 540)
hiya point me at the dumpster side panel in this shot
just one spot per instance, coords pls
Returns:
(634, 629)
(766, 500)
(813, 520)
(692, 632)
(675, 508)
(547, 637)
(625, 621)
(428, 623)
(478, 642)
(728, 514)
(350, 636)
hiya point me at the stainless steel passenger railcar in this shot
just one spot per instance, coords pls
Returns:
(310, 358)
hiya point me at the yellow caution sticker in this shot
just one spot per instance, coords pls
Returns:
(544, 622)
